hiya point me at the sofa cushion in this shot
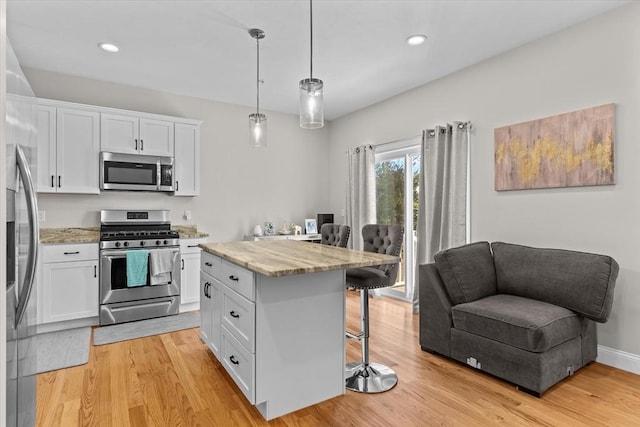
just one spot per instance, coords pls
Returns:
(519, 322)
(579, 281)
(467, 272)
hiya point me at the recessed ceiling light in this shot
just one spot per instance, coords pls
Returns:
(416, 39)
(109, 47)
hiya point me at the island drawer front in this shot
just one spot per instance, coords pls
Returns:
(72, 252)
(239, 279)
(240, 364)
(238, 316)
(211, 264)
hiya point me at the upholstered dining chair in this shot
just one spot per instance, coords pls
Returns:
(335, 235)
(366, 376)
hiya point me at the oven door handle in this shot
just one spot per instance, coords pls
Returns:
(121, 253)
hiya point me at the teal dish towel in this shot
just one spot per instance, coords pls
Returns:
(137, 267)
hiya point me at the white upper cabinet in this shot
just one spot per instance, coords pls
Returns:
(187, 159)
(136, 135)
(68, 150)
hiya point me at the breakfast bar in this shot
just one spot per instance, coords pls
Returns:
(273, 313)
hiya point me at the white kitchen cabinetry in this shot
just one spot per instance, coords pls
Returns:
(189, 274)
(136, 135)
(187, 159)
(68, 289)
(68, 149)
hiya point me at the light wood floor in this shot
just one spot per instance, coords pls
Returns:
(173, 380)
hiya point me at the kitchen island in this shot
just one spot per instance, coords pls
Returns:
(273, 313)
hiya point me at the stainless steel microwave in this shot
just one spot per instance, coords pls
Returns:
(136, 172)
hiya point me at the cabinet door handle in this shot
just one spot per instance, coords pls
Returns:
(208, 264)
(234, 314)
(53, 181)
(233, 360)
(234, 278)
(72, 253)
(136, 141)
(59, 181)
(182, 264)
(95, 271)
(177, 185)
(141, 145)
(206, 288)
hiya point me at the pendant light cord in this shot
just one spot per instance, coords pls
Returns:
(257, 76)
(311, 37)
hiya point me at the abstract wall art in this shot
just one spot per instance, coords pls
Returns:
(568, 150)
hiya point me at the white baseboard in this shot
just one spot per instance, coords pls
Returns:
(619, 359)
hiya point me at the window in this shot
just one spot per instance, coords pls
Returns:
(397, 171)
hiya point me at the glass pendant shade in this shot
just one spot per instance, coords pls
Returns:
(311, 109)
(258, 130)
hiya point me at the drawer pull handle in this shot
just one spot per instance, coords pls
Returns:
(234, 314)
(192, 246)
(208, 264)
(233, 360)
(234, 278)
(72, 253)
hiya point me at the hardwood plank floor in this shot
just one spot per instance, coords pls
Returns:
(174, 380)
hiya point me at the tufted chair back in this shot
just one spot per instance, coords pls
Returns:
(335, 235)
(384, 239)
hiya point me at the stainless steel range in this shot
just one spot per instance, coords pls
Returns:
(144, 237)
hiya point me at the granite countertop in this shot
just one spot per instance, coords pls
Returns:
(72, 235)
(287, 257)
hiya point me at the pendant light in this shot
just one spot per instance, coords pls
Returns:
(257, 120)
(311, 109)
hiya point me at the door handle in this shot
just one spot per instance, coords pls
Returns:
(32, 211)
(95, 271)
(234, 314)
(141, 145)
(59, 181)
(182, 264)
(53, 181)
(136, 141)
(233, 360)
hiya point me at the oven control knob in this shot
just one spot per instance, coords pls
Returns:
(126, 243)
(166, 243)
(158, 242)
(117, 244)
(142, 243)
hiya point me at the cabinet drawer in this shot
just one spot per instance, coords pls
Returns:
(238, 316)
(190, 246)
(240, 364)
(211, 264)
(238, 279)
(65, 253)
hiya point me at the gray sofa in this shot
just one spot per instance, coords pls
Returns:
(523, 314)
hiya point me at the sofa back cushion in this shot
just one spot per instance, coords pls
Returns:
(579, 281)
(467, 272)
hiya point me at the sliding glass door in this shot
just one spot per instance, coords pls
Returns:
(397, 173)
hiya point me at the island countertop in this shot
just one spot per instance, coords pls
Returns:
(277, 258)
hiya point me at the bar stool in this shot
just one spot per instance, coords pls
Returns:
(366, 376)
(335, 235)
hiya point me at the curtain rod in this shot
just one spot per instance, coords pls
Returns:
(461, 125)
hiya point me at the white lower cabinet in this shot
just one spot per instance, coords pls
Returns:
(189, 274)
(228, 319)
(68, 289)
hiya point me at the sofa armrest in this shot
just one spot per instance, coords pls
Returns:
(435, 311)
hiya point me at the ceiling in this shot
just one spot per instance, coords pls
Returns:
(203, 49)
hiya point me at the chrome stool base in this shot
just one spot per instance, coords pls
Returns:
(374, 378)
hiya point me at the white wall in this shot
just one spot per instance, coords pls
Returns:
(239, 186)
(591, 64)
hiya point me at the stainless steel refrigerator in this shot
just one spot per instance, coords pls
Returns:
(22, 246)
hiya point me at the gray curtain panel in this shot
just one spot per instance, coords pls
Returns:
(442, 211)
(361, 192)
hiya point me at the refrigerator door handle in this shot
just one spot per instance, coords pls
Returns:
(32, 211)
